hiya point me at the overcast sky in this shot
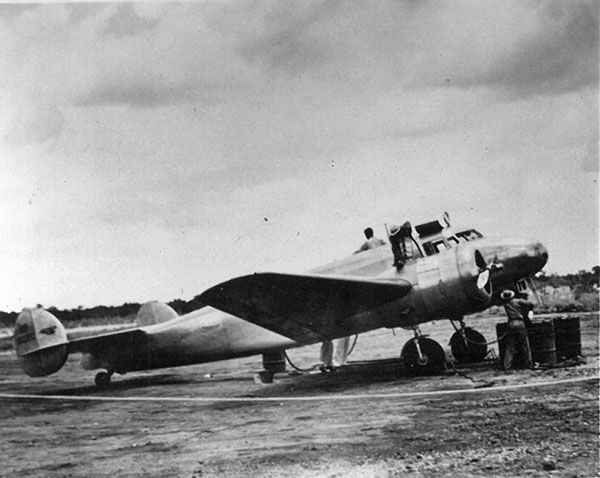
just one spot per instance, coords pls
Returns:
(150, 150)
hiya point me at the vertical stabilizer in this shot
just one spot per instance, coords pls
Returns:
(154, 313)
(40, 341)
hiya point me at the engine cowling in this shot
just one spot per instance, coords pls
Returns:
(40, 341)
(453, 283)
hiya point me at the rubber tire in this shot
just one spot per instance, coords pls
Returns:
(265, 376)
(434, 353)
(469, 352)
(102, 379)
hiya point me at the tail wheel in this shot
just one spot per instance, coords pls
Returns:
(470, 348)
(102, 379)
(432, 358)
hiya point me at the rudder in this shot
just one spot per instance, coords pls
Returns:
(154, 312)
(40, 341)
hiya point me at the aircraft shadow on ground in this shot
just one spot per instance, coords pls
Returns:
(355, 376)
(151, 380)
(123, 384)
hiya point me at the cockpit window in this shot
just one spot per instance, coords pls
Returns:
(441, 245)
(453, 240)
(469, 235)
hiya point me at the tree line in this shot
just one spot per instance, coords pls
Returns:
(583, 281)
(7, 319)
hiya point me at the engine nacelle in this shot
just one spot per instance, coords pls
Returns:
(453, 283)
(40, 341)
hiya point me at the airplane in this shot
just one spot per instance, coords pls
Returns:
(430, 273)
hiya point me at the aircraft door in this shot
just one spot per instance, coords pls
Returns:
(429, 278)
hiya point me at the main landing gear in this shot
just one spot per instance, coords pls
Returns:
(423, 356)
(273, 362)
(467, 345)
(102, 379)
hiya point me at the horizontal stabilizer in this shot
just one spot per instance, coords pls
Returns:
(42, 350)
(99, 344)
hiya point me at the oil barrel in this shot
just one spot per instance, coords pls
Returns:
(274, 362)
(567, 331)
(542, 342)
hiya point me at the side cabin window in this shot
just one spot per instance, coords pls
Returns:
(441, 244)
(429, 249)
(436, 246)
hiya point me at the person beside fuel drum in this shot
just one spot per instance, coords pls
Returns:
(517, 353)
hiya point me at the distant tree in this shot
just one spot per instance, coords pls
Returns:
(595, 275)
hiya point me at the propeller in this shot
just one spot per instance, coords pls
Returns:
(476, 277)
(483, 279)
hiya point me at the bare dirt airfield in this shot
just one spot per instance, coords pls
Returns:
(374, 429)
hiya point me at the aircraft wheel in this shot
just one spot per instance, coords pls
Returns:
(474, 349)
(264, 376)
(433, 357)
(102, 379)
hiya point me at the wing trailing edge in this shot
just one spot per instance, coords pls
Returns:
(305, 308)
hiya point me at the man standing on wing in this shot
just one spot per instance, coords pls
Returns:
(372, 242)
(334, 353)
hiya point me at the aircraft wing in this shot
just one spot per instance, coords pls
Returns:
(120, 340)
(305, 308)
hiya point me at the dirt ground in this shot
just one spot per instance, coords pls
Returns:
(355, 422)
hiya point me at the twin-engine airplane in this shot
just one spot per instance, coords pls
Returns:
(432, 273)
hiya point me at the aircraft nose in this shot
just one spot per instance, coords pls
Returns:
(519, 257)
(531, 257)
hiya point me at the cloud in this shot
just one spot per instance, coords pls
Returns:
(15, 10)
(79, 12)
(560, 55)
(590, 162)
(141, 95)
(185, 59)
(126, 22)
(289, 38)
(34, 124)
(179, 126)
